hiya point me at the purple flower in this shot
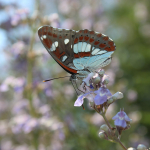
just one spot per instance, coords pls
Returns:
(88, 78)
(121, 119)
(31, 125)
(19, 15)
(80, 99)
(102, 95)
(99, 97)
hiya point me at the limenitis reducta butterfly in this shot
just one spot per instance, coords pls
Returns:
(78, 52)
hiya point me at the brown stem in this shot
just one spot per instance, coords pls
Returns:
(121, 144)
(106, 121)
(116, 138)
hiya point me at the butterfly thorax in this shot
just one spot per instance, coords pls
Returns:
(80, 74)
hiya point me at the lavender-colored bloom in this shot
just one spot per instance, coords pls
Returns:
(102, 95)
(19, 15)
(18, 48)
(88, 78)
(121, 119)
(80, 99)
(31, 125)
(19, 122)
(99, 100)
(54, 20)
(68, 24)
(19, 85)
(4, 88)
(20, 106)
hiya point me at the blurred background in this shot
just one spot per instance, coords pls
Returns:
(41, 116)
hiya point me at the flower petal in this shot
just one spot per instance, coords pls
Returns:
(103, 91)
(100, 99)
(115, 117)
(120, 123)
(88, 78)
(80, 99)
(127, 118)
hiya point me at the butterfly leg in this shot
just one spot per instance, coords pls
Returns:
(71, 79)
(74, 86)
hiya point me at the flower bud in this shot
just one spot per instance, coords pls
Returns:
(92, 104)
(88, 78)
(104, 127)
(141, 147)
(96, 80)
(131, 148)
(110, 100)
(103, 135)
(117, 95)
(101, 72)
(106, 81)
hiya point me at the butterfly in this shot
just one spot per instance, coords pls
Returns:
(77, 52)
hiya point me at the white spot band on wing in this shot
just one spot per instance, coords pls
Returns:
(66, 41)
(80, 47)
(53, 48)
(56, 44)
(88, 48)
(44, 36)
(84, 44)
(75, 48)
(64, 58)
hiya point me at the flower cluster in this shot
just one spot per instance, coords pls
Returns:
(95, 88)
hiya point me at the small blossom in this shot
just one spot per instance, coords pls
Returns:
(88, 78)
(80, 99)
(121, 121)
(31, 125)
(19, 15)
(102, 95)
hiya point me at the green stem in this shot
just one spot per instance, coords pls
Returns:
(116, 138)
(121, 144)
(30, 75)
(106, 121)
(30, 65)
(36, 140)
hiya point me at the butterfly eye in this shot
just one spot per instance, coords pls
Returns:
(104, 43)
(87, 35)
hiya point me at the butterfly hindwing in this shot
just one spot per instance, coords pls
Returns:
(90, 50)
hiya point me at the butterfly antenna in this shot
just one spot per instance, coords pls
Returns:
(54, 78)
